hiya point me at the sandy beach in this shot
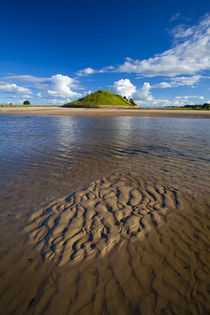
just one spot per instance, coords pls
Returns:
(59, 111)
(108, 222)
(118, 246)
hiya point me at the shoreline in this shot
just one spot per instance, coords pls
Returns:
(58, 111)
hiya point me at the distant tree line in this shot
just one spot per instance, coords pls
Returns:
(205, 106)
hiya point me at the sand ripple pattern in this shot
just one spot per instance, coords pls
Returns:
(150, 243)
(90, 222)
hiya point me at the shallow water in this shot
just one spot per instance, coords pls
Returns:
(43, 158)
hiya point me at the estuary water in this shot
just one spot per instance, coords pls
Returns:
(44, 157)
(145, 165)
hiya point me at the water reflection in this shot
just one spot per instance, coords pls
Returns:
(42, 155)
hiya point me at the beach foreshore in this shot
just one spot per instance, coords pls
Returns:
(118, 244)
(59, 111)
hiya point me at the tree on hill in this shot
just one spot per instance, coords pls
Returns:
(132, 101)
(26, 102)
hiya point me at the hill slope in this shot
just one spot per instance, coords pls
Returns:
(99, 98)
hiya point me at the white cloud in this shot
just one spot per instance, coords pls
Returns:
(174, 17)
(106, 69)
(56, 101)
(86, 71)
(186, 58)
(89, 70)
(13, 88)
(124, 87)
(186, 97)
(47, 89)
(53, 84)
(27, 96)
(26, 78)
(180, 31)
(179, 81)
(164, 85)
(144, 95)
(30, 81)
(62, 87)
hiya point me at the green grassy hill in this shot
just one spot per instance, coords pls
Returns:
(99, 99)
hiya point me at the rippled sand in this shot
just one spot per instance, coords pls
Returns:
(90, 222)
(122, 245)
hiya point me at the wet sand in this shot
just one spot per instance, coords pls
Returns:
(109, 225)
(58, 111)
(121, 245)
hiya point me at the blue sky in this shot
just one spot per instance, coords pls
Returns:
(157, 52)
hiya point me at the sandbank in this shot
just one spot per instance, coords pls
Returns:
(59, 111)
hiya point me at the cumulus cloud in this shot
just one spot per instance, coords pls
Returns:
(86, 71)
(188, 57)
(13, 88)
(55, 86)
(124, 87)
(55, 89)
(144, 94)
(62, 87)
(144, 97)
